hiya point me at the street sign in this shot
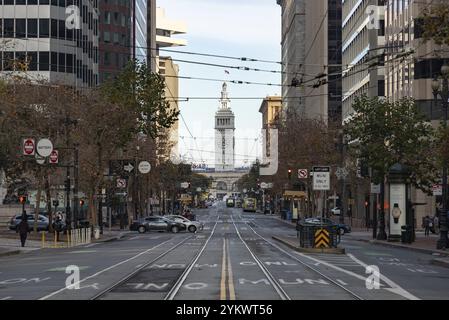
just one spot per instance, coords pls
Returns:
(303, 173)
(44, 147)
(144, 167)
(121, 183)
(263, 185)
(54, 157)
(322, 239)
(39, 159)
(341, 173)
(375, 188)
(198, 189)
(437, 189)
(184, 185)
(128, 167)
(321, 178)
(29, 147)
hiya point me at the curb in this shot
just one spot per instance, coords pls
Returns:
(310, 250)
(399, 246)
(440, 262)
(9, 253)
(118, 237)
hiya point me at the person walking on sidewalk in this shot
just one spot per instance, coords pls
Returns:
(23, 228)
(426, 225)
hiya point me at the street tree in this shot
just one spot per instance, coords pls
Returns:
(435, 23)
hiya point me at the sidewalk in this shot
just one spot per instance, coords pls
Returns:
(10, 241)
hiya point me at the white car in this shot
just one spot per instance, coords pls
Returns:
(336, 211)
(191, 226)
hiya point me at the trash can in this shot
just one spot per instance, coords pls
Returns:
(97, 233)
(406, 234)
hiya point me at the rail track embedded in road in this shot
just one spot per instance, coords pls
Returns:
(352, 294)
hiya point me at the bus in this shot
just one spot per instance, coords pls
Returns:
(250, 204)
(230, 202)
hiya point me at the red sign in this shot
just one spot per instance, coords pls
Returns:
(29, 147)
(303, 174)
(54, 157)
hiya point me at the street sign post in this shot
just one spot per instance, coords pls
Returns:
(128, 167)
(144, 167)
(375, 188)
(54, 157)
(341, 173)
(303, 173)
(29, 147)
(321, 178)
(39, 159)
(184, 185)
(44, 147)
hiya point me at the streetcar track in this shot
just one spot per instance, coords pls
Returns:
(279, 290)
(353, 294)
(137, 270)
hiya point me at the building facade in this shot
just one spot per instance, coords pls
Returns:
(363, 45)
(224, 134)
(271, 110)
(311, 58)
(166, 30)
(58, 44)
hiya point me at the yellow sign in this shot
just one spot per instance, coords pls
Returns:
(322, 239)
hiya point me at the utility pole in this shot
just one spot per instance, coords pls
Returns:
(67, 122)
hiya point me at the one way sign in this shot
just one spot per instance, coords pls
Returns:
(128, 167)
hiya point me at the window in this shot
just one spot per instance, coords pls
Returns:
(8, 28)
(44, 61)
(44, 28)
(61, 63)
(20, 28)
(54, 61)
(32, 58)
(61, 31)
(54, 28)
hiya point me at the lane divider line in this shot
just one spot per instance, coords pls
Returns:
(223, 273)
(230, 275)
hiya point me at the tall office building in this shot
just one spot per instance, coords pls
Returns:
(166, 31)
(59, 47)
(363, 45)
(292, 47)
(311, 57)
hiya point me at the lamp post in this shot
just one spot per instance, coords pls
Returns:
(441, 88)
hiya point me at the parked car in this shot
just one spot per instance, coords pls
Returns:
(156, 224)
(336, 211)
(192, 226)
(42, 223)
(342, 228)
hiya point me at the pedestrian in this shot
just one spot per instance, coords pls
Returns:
(426, 225)
(23, 229)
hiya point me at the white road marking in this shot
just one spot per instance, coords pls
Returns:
(395, 288)
(6, 298)
(84, 251)
(104, 270)
(91, 245)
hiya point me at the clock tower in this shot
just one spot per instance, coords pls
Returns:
(224, 134)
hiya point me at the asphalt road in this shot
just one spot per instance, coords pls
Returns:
(233, 258)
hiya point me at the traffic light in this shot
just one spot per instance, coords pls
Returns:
(22, 199)
(289, 174)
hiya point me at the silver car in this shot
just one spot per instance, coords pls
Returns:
(192, 226)
(42, 223)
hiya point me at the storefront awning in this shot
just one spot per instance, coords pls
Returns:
(294, 194)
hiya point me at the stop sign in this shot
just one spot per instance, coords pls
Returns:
(54, 157)
(29, 147)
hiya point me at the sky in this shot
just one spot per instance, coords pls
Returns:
(240, 28)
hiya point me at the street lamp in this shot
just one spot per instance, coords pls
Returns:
(441, 88)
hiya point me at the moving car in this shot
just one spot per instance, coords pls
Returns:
(230, 202)
(249, 204)
(342, 228)
(238, 203)
(191, 226)
(42, 223)
(156, 224)
(336, 211)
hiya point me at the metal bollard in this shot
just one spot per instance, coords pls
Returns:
(43, 239)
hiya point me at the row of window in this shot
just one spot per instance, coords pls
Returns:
(116, 38)
(47, 28)
(56, 3)
(47, 61)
